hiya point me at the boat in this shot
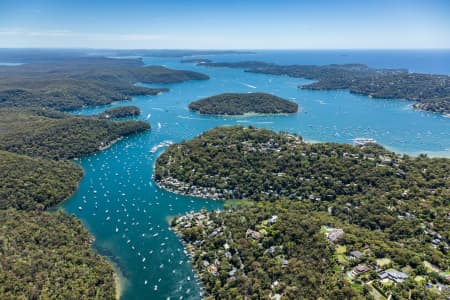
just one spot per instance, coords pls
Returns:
(363, 141)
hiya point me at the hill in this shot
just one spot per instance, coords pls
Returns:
(49, 256)
(57, 135)
(28, 183)
(72, 83)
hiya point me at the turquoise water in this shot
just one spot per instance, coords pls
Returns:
(128, 214)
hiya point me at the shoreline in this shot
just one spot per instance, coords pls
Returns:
(118, 280)
(204, 197)
(190, 254)
(247, 114)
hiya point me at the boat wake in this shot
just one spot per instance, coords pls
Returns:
(248, 85)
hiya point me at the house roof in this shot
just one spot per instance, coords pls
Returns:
(356, 254)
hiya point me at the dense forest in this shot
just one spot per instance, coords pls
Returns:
(76, 82)
(120, 112)
(432, 92)
(49, 256)
(405, 198)
(57, 135)
(242, 103)
(28, 183)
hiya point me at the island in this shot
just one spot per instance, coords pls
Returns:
(430, 91)
(76, 82)
(243, 103)
(120, 112)
(384, 214)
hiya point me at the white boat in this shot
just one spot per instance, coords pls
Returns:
(363, 141)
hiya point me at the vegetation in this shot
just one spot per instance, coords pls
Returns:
(292, 258)
(120, 112)
(57, 135)
(76, 82)
(42, 255)
(432, 92)
(438, 105)
(35, 183)
(238, 104)
(259, 250)
(49, 256)
(398, 205)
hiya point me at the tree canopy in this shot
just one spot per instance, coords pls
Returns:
(239, 104)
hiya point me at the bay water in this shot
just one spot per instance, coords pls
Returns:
(128, 214)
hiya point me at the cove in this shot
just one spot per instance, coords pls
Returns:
(128, 214)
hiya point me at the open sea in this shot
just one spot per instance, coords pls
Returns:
(128, 214)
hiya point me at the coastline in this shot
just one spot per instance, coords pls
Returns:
(177, 192)
(248, 114)
(189, 250)
(109, 144)
(119, 281)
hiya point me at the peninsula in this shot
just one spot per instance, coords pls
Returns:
(385, 215)
(242, 103)
(431, 92)
(76, 82)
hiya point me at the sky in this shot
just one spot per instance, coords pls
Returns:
(225, 24)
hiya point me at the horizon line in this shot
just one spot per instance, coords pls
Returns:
(217, 49)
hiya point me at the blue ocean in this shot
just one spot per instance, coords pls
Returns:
(128, 214)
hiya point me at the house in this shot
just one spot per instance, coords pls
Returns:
(284, 263)
(254, 234)
(393, 275)
(356, 254)
(273, 219)
(334, 234)
(360, 269)
(212, 269)
(383, 275)
(442, 287)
